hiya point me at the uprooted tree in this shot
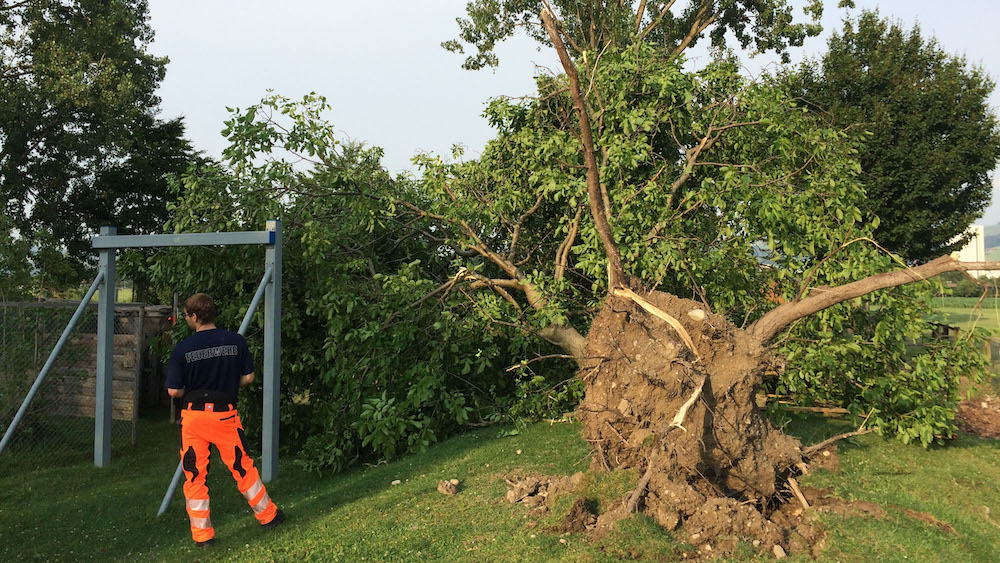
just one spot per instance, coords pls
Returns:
(627, 183)
(678, 236)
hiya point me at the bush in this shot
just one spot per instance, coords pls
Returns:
(378, 356)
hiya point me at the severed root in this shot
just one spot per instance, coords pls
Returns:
(798, 493)
(678, 419)
(655, 311)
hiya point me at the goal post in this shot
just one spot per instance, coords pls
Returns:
(107, 243)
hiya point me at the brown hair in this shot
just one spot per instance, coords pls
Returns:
(202, 305)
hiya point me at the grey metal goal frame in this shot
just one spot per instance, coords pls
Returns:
(107, 244)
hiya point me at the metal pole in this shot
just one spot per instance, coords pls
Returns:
(256, 300)
(272, 356)
(105, 354)
(179, 472)
(52, 359)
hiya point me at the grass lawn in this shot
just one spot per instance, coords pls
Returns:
(961, 312)
(79, 512)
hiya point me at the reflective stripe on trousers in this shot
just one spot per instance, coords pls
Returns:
(251, 493)
(201, 523)
(262, 505)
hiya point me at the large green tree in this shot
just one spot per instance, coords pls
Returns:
(80, 143)
(934, 137)
(693, 237)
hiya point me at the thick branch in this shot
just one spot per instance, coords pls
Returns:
(566, 337)
(562, 253)
(771, 324)
(14, 6)
(816, 448)
(638, 15)
(517, 226)
(701, 21)
(616, 274)
(652, 25)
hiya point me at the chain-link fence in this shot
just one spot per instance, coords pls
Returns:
(59, 425)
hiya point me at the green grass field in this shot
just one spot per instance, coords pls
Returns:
(962, 312)
(78, 512)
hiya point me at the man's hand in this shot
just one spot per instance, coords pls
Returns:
(176, 393)
(246, 379)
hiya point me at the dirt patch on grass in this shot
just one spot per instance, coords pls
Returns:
(826, 459)
(581, 517)
(930, 519)
(822, 500)
(535, 490)
(980, 416)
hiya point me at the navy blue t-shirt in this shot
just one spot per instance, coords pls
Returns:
(210, 360)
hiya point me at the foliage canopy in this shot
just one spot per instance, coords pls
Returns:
(593, 26)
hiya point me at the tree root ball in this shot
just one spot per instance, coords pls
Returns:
(724, 468)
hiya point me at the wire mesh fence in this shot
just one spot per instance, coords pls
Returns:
(58, 427)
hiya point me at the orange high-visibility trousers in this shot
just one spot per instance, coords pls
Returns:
(199, 429)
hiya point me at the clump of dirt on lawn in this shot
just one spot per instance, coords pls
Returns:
(980, 416)
(714, 526)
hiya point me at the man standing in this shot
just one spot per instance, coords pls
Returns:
(207, 369)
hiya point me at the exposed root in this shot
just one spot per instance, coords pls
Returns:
(678, 420)
(640, 489)
(798, 493)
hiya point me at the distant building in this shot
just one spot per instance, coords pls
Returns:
(975, 251)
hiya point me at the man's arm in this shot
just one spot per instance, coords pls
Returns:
(244, 380)
(178, 393)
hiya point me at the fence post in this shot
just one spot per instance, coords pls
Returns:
(105, 353)
(272, 355)
(138, 349)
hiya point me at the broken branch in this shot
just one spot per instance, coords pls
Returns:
(808, 452)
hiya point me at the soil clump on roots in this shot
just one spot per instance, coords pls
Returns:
(712, 465)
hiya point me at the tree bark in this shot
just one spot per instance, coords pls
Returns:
(771, 324)
(616, 275)
(567, 338)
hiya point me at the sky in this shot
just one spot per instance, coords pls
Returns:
(390, 83)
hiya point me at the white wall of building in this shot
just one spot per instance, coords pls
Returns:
(975, 251)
